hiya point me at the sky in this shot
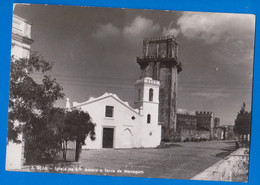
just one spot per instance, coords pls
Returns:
(94, 51)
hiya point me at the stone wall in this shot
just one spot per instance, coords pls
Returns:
(232, 168)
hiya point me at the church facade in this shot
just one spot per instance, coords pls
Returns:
(120, 126)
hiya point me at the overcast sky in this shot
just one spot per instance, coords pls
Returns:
(95, 50)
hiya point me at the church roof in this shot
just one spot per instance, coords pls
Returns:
(104, 96)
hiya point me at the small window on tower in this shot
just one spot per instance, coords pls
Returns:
(151, 94)
(139, 94)
(148, 118)
(109, 111)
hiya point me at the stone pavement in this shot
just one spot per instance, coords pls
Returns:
(180, 161)
(177, 161)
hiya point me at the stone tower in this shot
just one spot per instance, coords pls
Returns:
(205, 121)
(160, 62)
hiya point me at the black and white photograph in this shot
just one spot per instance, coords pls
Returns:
(130, 92)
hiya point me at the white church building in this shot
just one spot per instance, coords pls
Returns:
(120, 126)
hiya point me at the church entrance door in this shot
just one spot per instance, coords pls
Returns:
(108, 137)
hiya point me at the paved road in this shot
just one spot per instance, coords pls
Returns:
(180, 161)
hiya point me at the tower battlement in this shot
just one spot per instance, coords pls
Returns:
(160, 38)
(163, 49)
(204, 113)
(160, 47)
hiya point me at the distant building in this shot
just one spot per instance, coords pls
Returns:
(224, 132)
(200, 125)
(205, 121)
(120, 126)
(216, 122)
(21, 44)
(186, 126)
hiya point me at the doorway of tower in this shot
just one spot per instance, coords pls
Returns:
(108, 137)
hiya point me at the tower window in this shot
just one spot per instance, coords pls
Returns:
(148, 118)
(139, 94)
(151, 94)
(109, 111)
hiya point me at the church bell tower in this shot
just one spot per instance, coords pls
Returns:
(160, 62)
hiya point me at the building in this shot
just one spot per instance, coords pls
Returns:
(190, 127)
(186, 126)
(21, 44)
(160, 62)
(216, 122)
(224, 132)
(21, 38)
(120, 126)
(205, 123)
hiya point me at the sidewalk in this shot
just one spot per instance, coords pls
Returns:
(232, 168)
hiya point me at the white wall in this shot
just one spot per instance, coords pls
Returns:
(128, 133)
(14, 155)
(121, 122)
(151, 132)
(19, 50)
(21, 38)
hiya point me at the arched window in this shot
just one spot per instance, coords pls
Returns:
(148, 118)
(151, 94)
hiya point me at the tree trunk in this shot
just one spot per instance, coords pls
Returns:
(243, 142)
(65, 150)
(78, 150)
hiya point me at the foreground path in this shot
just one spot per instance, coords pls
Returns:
(180, 161)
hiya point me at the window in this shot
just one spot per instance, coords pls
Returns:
(109, 111)
(139, 94)
(148, 118)
(151, 94)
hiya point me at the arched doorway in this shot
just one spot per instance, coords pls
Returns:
(126, 138)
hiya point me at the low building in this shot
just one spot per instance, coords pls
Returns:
(224, 132)
(120, 126)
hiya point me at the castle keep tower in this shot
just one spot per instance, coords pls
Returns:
(160, 62)
(205, 121)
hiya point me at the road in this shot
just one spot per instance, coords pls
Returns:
(180, 161)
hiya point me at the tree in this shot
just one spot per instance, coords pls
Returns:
(243, 122)
(30, 102)
(46, 129)
(75, 128)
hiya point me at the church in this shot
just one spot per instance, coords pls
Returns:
(154, 115)
(120, 126)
